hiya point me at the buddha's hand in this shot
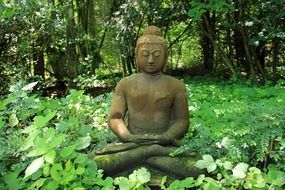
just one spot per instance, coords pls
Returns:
(155, 139)
(147, 139)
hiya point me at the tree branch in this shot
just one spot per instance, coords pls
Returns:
(178, 37)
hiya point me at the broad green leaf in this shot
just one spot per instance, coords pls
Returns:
(202, 164)
(211, 167)
(227, 143)
(56, 171)
(34, 166)
(228, 165)
(207, 162)
(208, 158)
(79, 170)
(46, 170)
(275, 176)
(29, 142)
(69, 174)
(12, 181)
(49, 157)
(254, 180)
(124, 183)
(40, 148)
(211, 184)
(79, 188)
(141, 176)
(29, 86)
(81, 159)
(2, 123)
(13, 120)
(57, 140)
(53, 185)
(39, 122)
(200, 180)
(182, 184)
(240, 170)
(91, 168)
(108, 184)
(49, 134)
(83, 142)
(67, 151)
(39, 183)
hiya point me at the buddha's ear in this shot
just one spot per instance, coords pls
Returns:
(136, 59)
(165, 62)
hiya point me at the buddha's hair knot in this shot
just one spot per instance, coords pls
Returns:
(152, 30)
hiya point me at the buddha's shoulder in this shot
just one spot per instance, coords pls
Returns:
(127, 80)
(174, 82)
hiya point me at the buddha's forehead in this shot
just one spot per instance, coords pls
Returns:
(151, 46)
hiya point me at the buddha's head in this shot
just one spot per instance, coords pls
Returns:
(151, 51)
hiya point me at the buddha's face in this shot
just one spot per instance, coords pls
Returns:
(151, 58)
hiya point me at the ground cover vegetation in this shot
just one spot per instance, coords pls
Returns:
(47, 143)
(59, 62)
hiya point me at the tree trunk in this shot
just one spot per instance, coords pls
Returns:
(39, 63)
(207, 46)
(93, 49)
(82, 8)
(275, 60)
(239, 48)
(210, 34)
(72, 59)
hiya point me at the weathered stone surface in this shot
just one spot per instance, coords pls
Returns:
(149, 114)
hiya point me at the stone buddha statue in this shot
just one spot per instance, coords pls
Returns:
(149, 114)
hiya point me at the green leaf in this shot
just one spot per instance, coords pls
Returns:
(212, 167)
(200, 180)
(13, 120)
(46, 170)
(108, 184)
(207, 162)
(2, 123)
(228, 165)
(275, 176)
(29, 142)
(182, 184)
(53, 185)
(202, 164)
(68, 174)
(12, 180)
(56, 171)
(81, 159)
(124, 183)
(39, 183)
(29, 86)
(227, 143)
(49, 157)
(240, 170)
(67, 151)
(211, 184)
(39, 122)
(34, 166)
(83, 142)
(57, 140)
(141, 176)
(80, 170)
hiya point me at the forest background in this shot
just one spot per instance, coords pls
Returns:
(59, 61)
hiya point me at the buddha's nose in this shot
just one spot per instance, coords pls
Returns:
(150, 59)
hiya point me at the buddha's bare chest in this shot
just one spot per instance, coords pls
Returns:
(150, 97)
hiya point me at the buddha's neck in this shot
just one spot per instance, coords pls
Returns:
(152, 75)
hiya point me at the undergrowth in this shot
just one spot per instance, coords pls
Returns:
(46, 143)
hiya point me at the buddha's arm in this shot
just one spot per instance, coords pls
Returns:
(180, 115)
(116, 119)
(117, 113)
